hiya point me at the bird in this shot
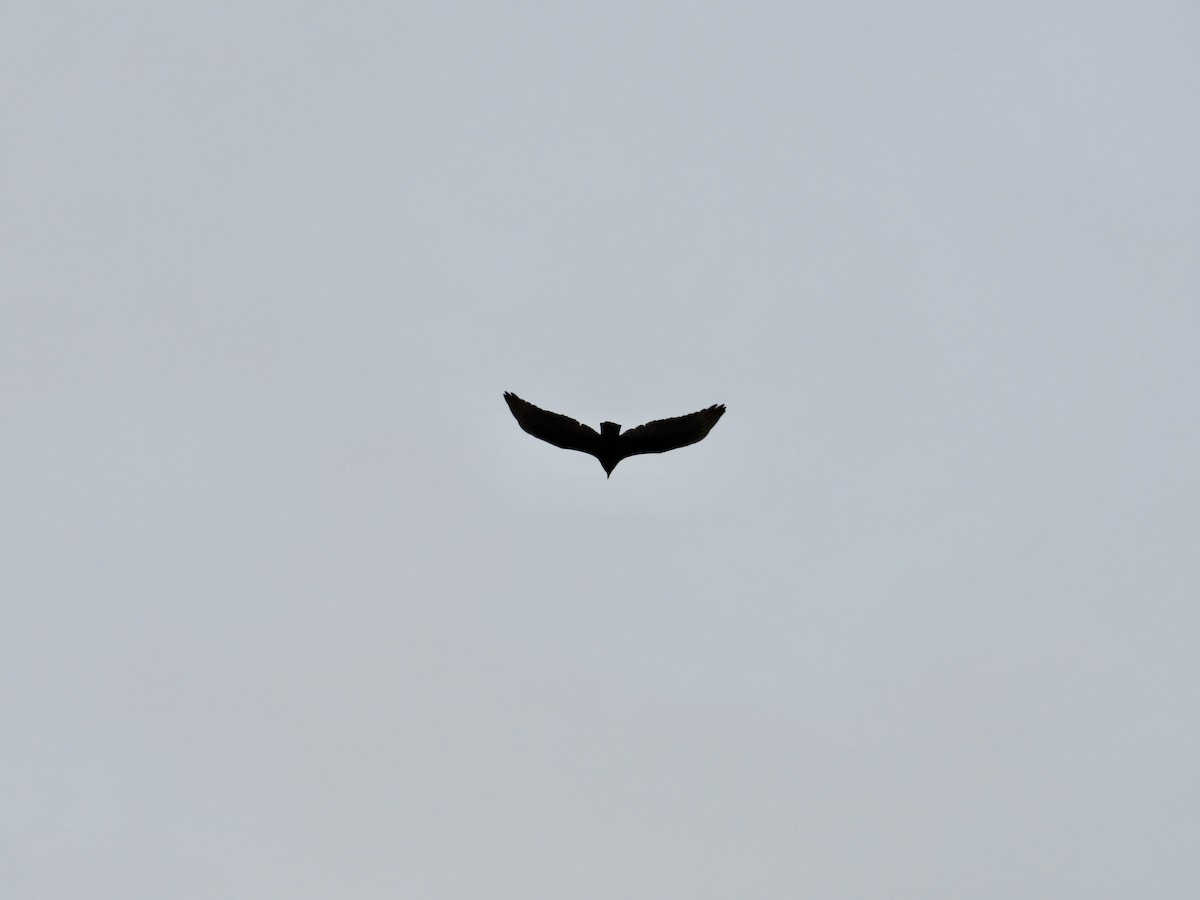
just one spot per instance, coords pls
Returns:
(610, 446)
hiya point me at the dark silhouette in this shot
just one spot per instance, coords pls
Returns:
(610, 446)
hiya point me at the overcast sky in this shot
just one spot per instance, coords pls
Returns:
(293, 609)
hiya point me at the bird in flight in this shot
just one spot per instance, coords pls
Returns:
(610, 446)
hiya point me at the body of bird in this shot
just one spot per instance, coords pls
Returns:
(610, 446)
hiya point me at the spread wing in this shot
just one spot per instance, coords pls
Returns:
(561, 431)
(662, 435)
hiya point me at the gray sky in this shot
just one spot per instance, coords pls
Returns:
(292, 608)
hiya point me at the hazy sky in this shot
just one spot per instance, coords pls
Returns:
(293, 609)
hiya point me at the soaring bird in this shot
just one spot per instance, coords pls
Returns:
(610, 446)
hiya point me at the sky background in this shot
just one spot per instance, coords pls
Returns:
(293, 609)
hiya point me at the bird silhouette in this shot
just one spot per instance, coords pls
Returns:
(610, 446)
